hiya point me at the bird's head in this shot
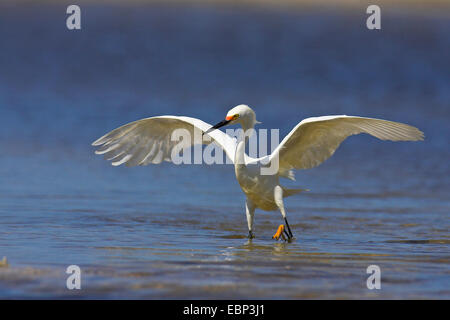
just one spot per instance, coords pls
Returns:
(242, 114)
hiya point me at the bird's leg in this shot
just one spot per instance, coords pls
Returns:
(289, 232)
(250, 212)
(278, 196)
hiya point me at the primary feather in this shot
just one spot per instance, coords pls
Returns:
(315, 139)
(149, 140)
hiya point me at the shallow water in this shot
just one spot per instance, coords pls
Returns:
(179, 231)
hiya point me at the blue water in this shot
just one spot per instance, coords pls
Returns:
(172, 231)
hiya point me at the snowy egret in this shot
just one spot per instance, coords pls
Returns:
(310, 143)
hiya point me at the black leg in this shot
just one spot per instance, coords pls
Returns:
(250, 234)
(290, 235)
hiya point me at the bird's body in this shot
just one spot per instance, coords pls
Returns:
(258, 188)
(310, 143)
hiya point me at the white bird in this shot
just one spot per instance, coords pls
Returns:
(310, 143)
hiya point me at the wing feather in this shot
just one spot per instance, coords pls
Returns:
(148, 140)
(316, 139)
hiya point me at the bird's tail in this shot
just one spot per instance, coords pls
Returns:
(290, 192)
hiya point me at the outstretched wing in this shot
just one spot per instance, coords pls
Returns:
(314, 140)
(150, 140)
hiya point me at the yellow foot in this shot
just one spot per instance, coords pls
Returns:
(279, 233)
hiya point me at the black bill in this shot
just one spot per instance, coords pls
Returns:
(217, 126)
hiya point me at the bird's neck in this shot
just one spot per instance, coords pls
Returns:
(247, 127)
(239, 157)
(248, 124)
(240, 169)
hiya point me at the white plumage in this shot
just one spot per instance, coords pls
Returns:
(148, 140)
(309, 144)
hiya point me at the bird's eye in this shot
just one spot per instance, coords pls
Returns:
(235, 116)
